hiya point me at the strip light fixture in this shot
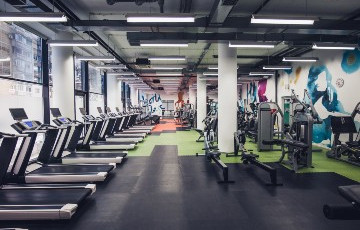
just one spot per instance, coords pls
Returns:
(300, 59)
(95, 58)
(333, 46)
(121, 74)
(167, 67)
(167, 58)
(164, 18)
(110, 67)
(210, 74)
(5, 59)
(163, 44)
(259, 45)
(256, 19)
(212, 67)
(32, 17)
(277, 67)
(72, 43)
(127, 79)
(261, 73)
(168, 74)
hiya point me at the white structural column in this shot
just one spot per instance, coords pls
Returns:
(227, 97)
(192, 96)
(113, 93)
(201, 101)
(133, 96)
(63, 77)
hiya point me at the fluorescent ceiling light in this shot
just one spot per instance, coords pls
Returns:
(260, 45)
(210, 74)
(215, 67)
(166, 18)
(72, 43)
(167, 58)
(333, 46)
(96, 58)
(121, 74)
(261, 73)
(32, 17)
(277, 67)
(168, 74)
(300, 59)
(110, 67)
(209, 78)
(282, 20)
(163, 44)
(5, 59)
(127, 79)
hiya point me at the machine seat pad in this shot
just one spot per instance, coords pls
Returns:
(215, 153)
(350, 193)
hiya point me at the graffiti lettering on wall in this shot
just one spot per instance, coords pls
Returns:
(154, 104)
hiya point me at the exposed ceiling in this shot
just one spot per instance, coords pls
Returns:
(215, 21)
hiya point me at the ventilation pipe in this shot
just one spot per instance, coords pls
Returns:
(139, 2)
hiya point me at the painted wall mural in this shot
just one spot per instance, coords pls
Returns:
(262, 90)
(251, 92)
(332, 84)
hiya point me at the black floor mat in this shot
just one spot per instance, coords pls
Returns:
(165, 191)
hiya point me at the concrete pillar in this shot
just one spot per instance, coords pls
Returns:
(63, 77)
(201, 101)
(227, 97)
(113, 93)
(133, 96)
(192, 96)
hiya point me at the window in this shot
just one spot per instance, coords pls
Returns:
(79, 74)
(21, 75)
(95, 80)
(96, 90)
(24, 52)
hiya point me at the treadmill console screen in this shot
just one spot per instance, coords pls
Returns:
(18, 114)
(28, 124)
(64, 120)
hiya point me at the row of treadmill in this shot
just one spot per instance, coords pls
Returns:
(73, 156)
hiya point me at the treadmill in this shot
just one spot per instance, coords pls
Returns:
(123, 128)
(131, 120)
(36, 202)
(70, 155)
(96, 140)
(40, 169)
(134, 117)
(110, 124)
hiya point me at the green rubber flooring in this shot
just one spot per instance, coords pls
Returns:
(185, 140)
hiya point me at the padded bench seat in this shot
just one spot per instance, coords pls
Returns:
(351, 193)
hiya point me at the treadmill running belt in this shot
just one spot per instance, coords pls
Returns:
(43, 196)
(76, 169)
(96, 155)
(113, 143)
